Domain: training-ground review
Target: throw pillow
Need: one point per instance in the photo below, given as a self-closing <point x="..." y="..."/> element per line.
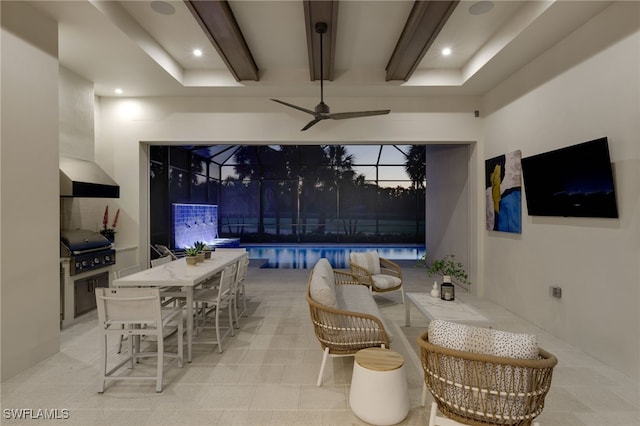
<point x="486" y="341"/>
<point x="321" y="287"/>
<point x="368" y="260"/>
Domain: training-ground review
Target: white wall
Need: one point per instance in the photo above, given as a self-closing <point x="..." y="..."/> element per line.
<point x="449" y="221"/>
<point x="29" y="189"/>
<point x="77" y="139"/>
<point x="586" y="87"/>
<point x="77" y="134"/>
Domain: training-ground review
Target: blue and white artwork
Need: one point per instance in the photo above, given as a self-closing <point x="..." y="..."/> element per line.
<point x="194" y="222"/>
<point x="503" y="177"/>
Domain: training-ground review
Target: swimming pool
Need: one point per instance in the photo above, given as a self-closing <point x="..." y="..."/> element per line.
<point x="305" y="256"/>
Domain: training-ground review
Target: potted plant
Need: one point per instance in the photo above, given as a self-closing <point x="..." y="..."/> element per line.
<point x="207" y="251"/>
<point x="109" y="233"/>
<point x="448" y="268"/>
<point x="191" y="255"/>
<point x="199" y="246"/>
<point x="203" y="248"/>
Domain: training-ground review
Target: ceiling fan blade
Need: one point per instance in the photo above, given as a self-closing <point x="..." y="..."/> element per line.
<point x="356" y="114"/>
<point x="311" y="123"/>
<point x="321" y="111"/>
<point x="308" y="111"/>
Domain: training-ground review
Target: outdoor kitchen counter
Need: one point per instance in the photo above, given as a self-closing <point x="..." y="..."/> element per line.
<point x="68" y="284"/>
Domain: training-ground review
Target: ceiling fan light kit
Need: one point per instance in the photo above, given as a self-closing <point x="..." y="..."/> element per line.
<point x="322" y="111"/>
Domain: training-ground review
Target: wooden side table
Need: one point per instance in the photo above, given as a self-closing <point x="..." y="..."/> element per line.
<point x="379" y="393"/>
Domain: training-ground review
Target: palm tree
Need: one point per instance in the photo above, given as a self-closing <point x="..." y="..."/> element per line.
<point x="417" y="171"/>
<point x="260" y="164"/>
<point x="339" y="170"/>
<point x="309" y="168"/>
<point x="415" y="165"/>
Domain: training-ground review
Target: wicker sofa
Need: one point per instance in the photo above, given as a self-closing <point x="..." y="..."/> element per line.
<point x="344" y="314"/>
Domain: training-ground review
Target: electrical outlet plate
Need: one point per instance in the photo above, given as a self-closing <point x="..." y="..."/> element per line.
<point x="556" y="292"/>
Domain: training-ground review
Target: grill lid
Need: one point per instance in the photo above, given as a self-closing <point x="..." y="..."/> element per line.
<point x="82" y="240"/>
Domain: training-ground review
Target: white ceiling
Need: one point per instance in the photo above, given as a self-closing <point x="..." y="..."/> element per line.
<point x="127" y="44"/>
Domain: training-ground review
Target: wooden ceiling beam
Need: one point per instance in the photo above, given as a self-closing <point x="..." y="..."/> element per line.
<point x="216" y="19"/>
<point x="321" y="11"/>
<point x="423" y="25"/>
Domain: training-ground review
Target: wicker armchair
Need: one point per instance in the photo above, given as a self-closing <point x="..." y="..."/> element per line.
<point x="477" y="389"/>
<point x="380" y="274"/>
<point x="342" y="332"/>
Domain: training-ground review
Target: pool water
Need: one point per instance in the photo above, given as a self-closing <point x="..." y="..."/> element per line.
<point x="302" y="256"/>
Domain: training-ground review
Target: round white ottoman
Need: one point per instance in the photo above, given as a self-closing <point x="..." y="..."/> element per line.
<point x="379" y="393"/>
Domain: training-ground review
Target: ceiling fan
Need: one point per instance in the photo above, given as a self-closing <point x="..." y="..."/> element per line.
<point x="321" y="111"/>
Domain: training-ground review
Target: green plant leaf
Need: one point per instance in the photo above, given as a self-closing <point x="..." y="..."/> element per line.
<point x="446" y="265"/>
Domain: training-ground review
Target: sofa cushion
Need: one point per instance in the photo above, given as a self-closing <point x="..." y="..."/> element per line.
<point x="385" y="281"/>
<point x="357" y="298"/>
<point x="322" y="285"/>
<point x="368" y="260"/>
<point x="324" y="269"/>
<point x="485" y="341"/>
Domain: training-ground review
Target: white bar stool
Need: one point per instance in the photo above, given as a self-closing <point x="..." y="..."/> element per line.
<point x="379" y="393"/>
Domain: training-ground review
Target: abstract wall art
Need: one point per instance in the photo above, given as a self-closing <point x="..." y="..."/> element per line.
<point x="503" y="183"/>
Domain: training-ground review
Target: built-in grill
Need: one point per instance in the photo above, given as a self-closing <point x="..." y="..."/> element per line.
<point x="87" y="250"/>
<point x="85" y="260"/>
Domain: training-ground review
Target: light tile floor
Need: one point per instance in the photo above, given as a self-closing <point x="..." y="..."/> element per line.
<point x="266" y="374"/>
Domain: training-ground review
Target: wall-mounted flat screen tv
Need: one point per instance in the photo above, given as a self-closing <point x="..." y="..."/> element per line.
<point x="576" y="181"/>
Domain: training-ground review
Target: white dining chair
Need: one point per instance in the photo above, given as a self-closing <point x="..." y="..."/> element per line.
<point x="239" y="290"/>
<point x="164" y="251"/>
<point x="161" y="261"/>
<point x="134" y="312"/>
<point x="120" y="273"/>
<point x="167" y="294"/>
<point x="210" y="302"/>
<point x="240" y="279"/>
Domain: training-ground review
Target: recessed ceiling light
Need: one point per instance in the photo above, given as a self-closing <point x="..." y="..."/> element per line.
<point x="480" y="7"/>
<point x="197" y="52"/>
<point x="446" y="51"/>
<point x="118" y="91"/>
<point x="163" y="8"/>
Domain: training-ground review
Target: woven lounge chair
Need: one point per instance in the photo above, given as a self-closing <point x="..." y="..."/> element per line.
<point x="478" y="389"/>
<point x="379" y="274"/>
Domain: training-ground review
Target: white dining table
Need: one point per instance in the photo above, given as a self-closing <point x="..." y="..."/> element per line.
<point x="186" y="277"/>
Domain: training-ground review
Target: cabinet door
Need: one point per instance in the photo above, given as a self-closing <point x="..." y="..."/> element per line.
<point x="85" y="294"/>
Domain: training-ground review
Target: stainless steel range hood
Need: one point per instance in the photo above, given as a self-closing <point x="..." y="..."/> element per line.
<point x="82" y="178"/>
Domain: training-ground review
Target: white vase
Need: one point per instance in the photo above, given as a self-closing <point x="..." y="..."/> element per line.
<point x="435" y="290"/>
